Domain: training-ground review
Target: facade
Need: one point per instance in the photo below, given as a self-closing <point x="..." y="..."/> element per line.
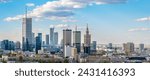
<point x="128" y="47"/>
<point x="51" y="36"/>
<point x="56" y="38"/>
<point x="68" y="51"/>
<point x="47" y="39"/>
<point x="66" y="38"/>
<point x="87" y="42"/>
<point x="27" y="34"/>
<point x="94" y="44"/>
<point x="17" y="45"/>
<point x="77" y="40"/>
<point x="67" y="35"/>
<point x="38" y="44"/>
<point x="141" y="47"/>
<point x="7" y="45"/>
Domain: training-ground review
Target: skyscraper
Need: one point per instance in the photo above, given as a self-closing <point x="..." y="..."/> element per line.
<point x="77" y="40"/>
<point x="38" y="44"/>
<point x="128" y="47"/>
<point x="67" y="38"/>
<point x="52" y="36"/>
<point x="141" y="47"/>
<point x="56" y="38"/>
<point x="27" y="34"/>
<point x="87" y="41"/>
<point x="47" y="39"/>
<point x="40" y="41"/>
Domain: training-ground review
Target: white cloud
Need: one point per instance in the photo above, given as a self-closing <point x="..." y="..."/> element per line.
<point x="139" y="29"/>
<point x="60" y="26"/>
<point x="4" y="1"/>
<point x="30" y="4"/>
<point x="62" y="9"/>
<point x="143" y="19"/>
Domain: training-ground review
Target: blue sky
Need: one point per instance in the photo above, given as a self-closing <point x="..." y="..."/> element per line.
<point x="115" y="21"/>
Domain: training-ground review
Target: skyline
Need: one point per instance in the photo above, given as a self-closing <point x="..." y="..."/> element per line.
<point x="117" y="21"/>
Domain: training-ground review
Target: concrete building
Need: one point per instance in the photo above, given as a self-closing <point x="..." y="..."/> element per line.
<point x="74" y="54"/>
<point x="128" y="47"/>
<point x="87" y="41"/>
<point x="66" y="38"/>
<point x="67" y="51"/>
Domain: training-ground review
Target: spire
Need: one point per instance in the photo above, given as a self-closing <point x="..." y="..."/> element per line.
<point x="87" y="29"/>
<point x="26" y="12"/>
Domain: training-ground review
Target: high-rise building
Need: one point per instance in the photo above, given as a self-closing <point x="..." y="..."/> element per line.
<point x="141" y="47"/>
<point x="87" y="41"/>
<point x="67" y="35"/>
<point x="51" y="36"/>
<point x="67" y="38"/>
<point x="7" y="45"/>
<point x="40" y="41"/>
<point x="128" y="47"/>
<point x="38" y="44"/>
<point x="94" y="44"/>
<point x="47" y="39"/>
<point x="27" y="34"/>
<point x="56" y="38"/>
<point x="77" y="40"/>
<point x="17" y="45"/>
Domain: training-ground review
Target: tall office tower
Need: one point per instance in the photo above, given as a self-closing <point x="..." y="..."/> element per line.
<point x="141" y="47"/>
<point x="52" y="36"/>
<point x="38" y="44"/>
<point x="94" y="44"/>
<point x="56" y="38"/>
<point x="17" y="45"/>
<point x="47" y="39"/>
<point x="128" y="48"/>
<point x="67" y="38"/>
<point x="77" y="40"/>
<point x="33" y="40"/>
<point x="87" y="42"/>
<point x="40" y="41"/>
<point x="27" y="34"/>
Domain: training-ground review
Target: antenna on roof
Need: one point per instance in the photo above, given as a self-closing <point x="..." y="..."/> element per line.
<point x="26" y="11"/>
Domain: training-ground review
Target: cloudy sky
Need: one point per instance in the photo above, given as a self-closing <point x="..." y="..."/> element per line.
<point x="115" y="21"/>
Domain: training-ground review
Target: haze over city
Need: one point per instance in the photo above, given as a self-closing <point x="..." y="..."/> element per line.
<point x="115" y="21"/>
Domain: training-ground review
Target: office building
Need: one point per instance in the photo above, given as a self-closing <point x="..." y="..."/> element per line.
<point x="27" y="34"/>
<point x="128" y="47"/>
<point x="56" y="38"/>
<point x="141" y="47"/>
<point x="94" y="44"/>
<point x="51" y="36"/>
<point x="17" y="45"/>
<point x="77" y="40"/>
<point x="47" y="39"/>
<point x="38" y="44"/>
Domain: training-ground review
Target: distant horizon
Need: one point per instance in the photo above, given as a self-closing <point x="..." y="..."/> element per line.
<point x="109" y="21"/>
